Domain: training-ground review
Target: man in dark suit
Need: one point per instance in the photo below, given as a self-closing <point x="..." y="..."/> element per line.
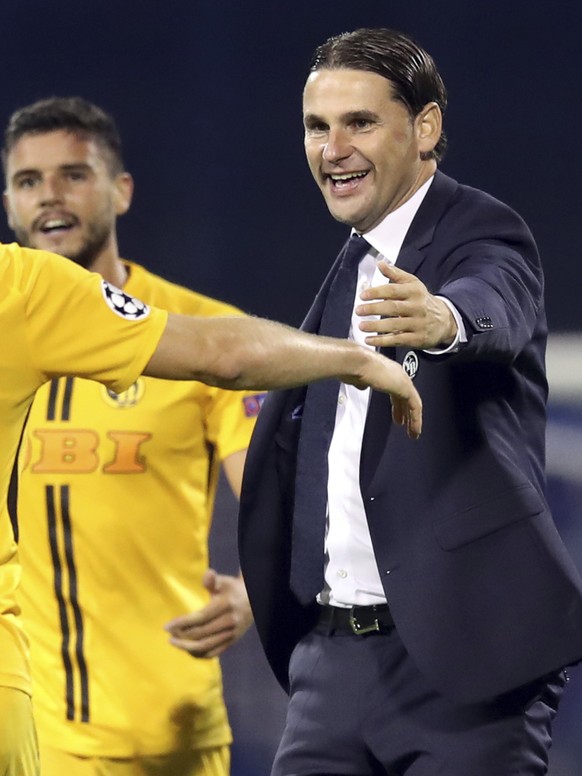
<point x="414" y="597"/>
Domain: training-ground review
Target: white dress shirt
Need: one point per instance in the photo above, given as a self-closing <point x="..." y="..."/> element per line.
<point x="351" y="573"/>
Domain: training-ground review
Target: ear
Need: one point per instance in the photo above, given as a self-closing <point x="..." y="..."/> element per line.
<point x="429" y="127"/>
<point x="6" y="203"/>
<point x="123" y="192"/>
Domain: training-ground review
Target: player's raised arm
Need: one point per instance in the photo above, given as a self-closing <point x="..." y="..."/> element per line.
<point x="254" y="353"/>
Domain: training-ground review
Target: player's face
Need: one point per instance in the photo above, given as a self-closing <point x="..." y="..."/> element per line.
<point x="362" y="146"/>
<point x="61" y="196"/>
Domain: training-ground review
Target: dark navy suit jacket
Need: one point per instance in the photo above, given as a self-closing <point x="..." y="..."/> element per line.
<point x="483" y="593"/>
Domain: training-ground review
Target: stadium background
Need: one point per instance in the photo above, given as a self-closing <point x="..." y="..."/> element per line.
<point x="207" y="95"/>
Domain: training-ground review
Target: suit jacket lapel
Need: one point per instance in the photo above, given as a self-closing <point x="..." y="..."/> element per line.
<point x="421" y="231"/>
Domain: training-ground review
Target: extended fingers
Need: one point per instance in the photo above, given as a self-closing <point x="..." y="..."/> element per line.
<point x="386" y="291"/>
<point x="382" y="332"/>
<point x="408" y="412"/>
<point x="374" y="313"/>
<point x="207" y="647"/>
<point x="387" y="308"/>
<point x="392" y="300"/>
<point x="192" y="628"/>
<point x="204" y="639"/>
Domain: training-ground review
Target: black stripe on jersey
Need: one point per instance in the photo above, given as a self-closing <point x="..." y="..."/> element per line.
<point x="58" y="586"/>
<point x="12" y="499"/>
<point x="66" y="408"/>
<point x="74" y="599"/>
<point x="51" y="410"/>
<point x="52" y="399"/>
<point x="12" y="496"/>
<point x="211" y="452"/>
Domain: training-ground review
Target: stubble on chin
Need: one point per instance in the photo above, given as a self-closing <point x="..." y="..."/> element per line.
<point x="85" y="255"/>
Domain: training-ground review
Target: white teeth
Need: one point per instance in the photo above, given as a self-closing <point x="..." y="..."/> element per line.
<point x="348" y="176"/>
<point x="55" y="223"/>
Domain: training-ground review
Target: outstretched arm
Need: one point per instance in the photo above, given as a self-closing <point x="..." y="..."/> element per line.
<point x="253" y="353"/>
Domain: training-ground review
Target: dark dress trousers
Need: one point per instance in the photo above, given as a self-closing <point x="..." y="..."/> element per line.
<point x="483" y="593"/>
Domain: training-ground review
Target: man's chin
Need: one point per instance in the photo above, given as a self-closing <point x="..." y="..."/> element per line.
<point x="349" y="218"/>
<point x="73" y="246"/>
<point x="53" y="244"/>
<point x="62" y="248"/>
<point x="343" y="211"/>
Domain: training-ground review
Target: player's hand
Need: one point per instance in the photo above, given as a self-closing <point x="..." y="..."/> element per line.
<point x="410" y="316"/>
<point x="215" y="627"/>
<point x="382" y="374"/>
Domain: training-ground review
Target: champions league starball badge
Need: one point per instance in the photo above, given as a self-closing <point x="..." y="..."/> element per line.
<point x="123" y="304"/>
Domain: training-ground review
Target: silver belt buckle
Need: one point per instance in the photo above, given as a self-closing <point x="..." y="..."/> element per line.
<point x="360" y="630"/>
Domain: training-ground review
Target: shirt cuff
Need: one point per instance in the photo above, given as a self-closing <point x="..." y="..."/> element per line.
<point x="460" y="337"/>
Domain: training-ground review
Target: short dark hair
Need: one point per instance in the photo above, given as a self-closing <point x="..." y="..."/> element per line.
<point x="71" y="114"/>
<point x="398" y="58"/>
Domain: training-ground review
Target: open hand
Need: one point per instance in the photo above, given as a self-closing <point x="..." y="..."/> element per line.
<point x="410" y="315"/>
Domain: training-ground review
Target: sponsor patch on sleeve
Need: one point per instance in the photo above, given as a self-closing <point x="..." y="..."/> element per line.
<point x="123" y="304"/>
<point x="253" y="404"/>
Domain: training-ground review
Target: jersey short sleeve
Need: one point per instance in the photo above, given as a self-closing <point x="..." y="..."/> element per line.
<point x="79" y="324"/>
<point x="230" y="419"/>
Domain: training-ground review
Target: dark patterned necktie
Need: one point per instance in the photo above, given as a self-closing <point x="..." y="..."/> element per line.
<point x="309" y="517"/>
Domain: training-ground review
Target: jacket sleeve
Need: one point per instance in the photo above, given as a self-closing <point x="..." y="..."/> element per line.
<point x="495" y="280"/>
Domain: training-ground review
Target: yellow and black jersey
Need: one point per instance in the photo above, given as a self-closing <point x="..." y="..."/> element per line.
<point x="45" y="305"/>
<point x="115" y="502"/>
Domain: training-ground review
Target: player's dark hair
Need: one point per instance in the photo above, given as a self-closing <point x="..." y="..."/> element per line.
<point x="71" y="114"/>
<point x="409" y="68"/>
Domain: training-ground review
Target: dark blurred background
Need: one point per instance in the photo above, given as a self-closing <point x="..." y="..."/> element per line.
<point x="207" y="95"/>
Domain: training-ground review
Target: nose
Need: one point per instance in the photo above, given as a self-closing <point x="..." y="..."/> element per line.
<point x="337" y="147"/>
<point x="50" y="190"/>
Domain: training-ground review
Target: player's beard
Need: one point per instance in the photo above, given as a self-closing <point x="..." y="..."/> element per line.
<point x="94" y="241"/>
<point x="92" y="246"/>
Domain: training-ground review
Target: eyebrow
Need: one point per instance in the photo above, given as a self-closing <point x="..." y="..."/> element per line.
<point x="347" y="118"/>
<point x="370" y="115"/>
<point x="62" y="167"/>
<point x="65" y="167"/>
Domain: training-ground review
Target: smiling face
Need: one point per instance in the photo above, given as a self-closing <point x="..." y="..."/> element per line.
<point x="363" y="147"/>
<point x="62" y="197"/>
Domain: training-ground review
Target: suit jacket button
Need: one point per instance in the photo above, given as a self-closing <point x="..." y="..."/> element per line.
<point x="484" y="322"/>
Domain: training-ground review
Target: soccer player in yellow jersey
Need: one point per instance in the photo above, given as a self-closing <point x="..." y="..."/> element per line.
<point x="137" y="472"/>
<point x="58" y="320"/>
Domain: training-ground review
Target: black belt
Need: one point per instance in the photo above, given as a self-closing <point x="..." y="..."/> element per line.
<point x="357" y="619"/>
